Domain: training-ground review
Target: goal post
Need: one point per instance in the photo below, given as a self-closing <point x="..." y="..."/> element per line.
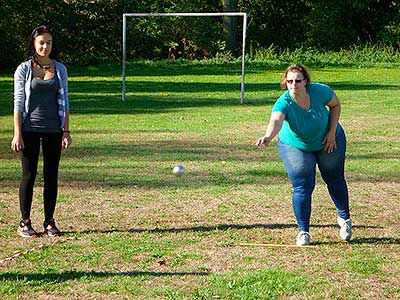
<point x="222" y="14"/>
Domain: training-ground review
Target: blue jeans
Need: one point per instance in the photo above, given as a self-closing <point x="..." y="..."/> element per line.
<point x="300" y="166"/>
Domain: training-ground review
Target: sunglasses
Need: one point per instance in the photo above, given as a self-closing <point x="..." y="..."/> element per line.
<point x="40" y="30"/>
<point x="290" y="81"/>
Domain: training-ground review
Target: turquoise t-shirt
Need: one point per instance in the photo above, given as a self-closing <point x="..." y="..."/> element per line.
<point x="302" y="128"/>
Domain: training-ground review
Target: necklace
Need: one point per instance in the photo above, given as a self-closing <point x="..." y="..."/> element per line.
<point x="44" y="67"/>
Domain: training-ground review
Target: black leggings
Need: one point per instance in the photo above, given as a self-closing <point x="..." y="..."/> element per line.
<point x="51" y="147"/>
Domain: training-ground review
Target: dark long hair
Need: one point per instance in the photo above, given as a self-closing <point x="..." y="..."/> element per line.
<point x="31" y="48"/>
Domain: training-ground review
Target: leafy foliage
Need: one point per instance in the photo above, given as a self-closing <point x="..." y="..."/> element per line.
<point x="89" y="32"/>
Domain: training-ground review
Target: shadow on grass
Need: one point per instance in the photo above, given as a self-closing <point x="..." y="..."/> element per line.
<point x="153" y="97"/>
<point x="362" y="241"/>
<point x="186" y="67"/>
<point x="49" y="277"/>
<point x="104" y="96"/>
<point x="376" y="240"/>
<point x="221" y="227"/>
<point x="164" y="68"/>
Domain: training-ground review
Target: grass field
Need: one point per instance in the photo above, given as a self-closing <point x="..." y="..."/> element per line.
<point x="133" y="230"/>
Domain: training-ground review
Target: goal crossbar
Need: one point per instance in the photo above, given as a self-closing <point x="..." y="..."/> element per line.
<point x="231" y="14"/>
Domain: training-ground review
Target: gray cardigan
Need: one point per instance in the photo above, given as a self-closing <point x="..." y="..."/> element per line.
<point x="22" y="89"/>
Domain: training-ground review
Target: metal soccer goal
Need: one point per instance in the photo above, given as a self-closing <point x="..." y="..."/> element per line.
<point x="232" y="14"/>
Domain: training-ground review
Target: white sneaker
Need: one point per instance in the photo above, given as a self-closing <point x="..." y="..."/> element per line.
<point x="303" y="238"/>
<point x="345" y="229"/>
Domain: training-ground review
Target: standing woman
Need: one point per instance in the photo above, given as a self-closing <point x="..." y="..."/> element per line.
<point x="306" y="116"/>
<point x="41" y="116"/>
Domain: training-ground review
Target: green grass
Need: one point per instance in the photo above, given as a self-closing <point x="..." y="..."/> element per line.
<point x="139" y="232"/>
<point x="243" y="285"/>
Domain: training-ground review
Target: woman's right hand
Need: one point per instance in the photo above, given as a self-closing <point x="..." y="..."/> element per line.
<point x="263" y="141"/>
<point x="17" y="144"/>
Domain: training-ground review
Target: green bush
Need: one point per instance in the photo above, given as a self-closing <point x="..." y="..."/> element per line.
<point x="90" y="32"/>
<point x="356" y="55"/>
<point x="390" y="34"/>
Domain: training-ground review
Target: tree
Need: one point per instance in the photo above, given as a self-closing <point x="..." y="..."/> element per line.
<point x="230" y="26"/>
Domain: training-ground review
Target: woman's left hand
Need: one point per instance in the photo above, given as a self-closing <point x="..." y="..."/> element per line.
<point x="330" y="142"/>
<point x="66" y="140"/>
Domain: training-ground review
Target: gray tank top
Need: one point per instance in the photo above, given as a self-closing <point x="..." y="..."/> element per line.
<point x="43" y="109"/>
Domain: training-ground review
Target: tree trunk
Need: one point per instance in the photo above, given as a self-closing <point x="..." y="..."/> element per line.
<point x="230" y="26"/>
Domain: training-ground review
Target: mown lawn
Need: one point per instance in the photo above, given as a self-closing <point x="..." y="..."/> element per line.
<point x="133" y="230"/>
